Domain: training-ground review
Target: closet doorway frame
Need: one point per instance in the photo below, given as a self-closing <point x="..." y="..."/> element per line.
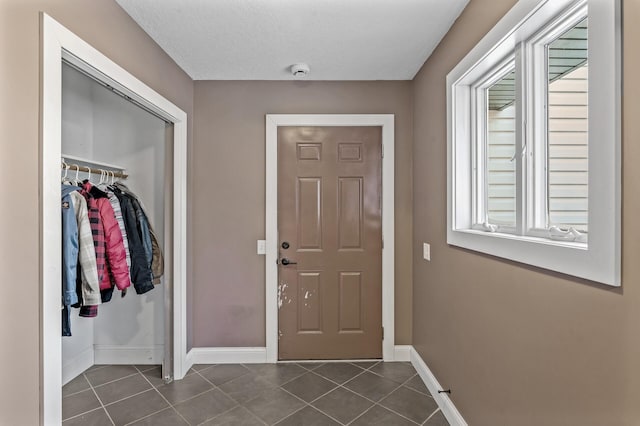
<point x="58" y="44"/>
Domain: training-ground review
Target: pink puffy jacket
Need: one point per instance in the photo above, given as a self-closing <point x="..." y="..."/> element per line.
<point x="116" y="254"/>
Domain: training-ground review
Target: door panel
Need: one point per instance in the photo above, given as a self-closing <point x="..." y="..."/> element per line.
<point x="310" y="308"/>
<point x="309" y="213"/>
<point x="350" y="215"/>
<point x="350" y="302"/>
<point x="329" y="214"/>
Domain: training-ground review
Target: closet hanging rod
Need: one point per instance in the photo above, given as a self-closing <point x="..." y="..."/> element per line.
<point x="91" y="166"/>
<point x="74" y="167"/>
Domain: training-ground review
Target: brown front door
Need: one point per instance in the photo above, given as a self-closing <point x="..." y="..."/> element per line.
<point x="330" y="242"/>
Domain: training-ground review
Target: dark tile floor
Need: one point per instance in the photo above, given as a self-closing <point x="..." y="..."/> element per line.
<point x="359" y="394"/>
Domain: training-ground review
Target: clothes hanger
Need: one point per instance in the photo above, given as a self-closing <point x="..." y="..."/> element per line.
<point x="66" y="171"/>
<point x="77" y="180"/>
<point x="104" y="179"/>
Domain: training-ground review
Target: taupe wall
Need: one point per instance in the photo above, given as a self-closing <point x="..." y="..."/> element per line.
<point x="518" y="345"/>
<point x="108" y="28"/>
<point x="229" y="195"/>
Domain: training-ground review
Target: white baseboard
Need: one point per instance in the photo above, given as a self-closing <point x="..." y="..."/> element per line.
<point x="227" y="355"/>
<point x="116" y="354"/>
<point x="188" y="363"/>
<point x="258" y="355"/>
<point x="73" y="367"/>
<point x="444" y="402"/>
<point x="402" y="353"/>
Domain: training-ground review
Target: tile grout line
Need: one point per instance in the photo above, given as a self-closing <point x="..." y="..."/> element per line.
<point x="92" y="388"/>
<point x="250" y="371"/>
<point x="82" y="414"/>
<point x="432" y="414"/>
<point x="132" y="395"/>
<point x="289" y="415"/>
<point x="308" y="404"/>
<point x="378" y="402"/>
<point x="404" y="384"/>
<point x="225" y="394"/>
<point x="229" y="410"/>
<point x="202" y="393"/>
<point x="419" y="391"/>
<point x="230" y="380"/>
<point x="256" y="374"/>
<point x="278" y="386"/>
<point x="100" y="400"/>
<point x="362" y="414"/>
<point x="75" y="393"/>
<point x="165" y="399"/>
<point x="286" y="391"/>
<point x="113" y="381"/>
<point x="102" y="384"/>
<point x="127" y="397"/>
<point x="283" y="383"/>
<point x="338" y="385"/>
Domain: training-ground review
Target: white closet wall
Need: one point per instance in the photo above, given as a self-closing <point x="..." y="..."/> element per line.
<point x="99" y="125"/>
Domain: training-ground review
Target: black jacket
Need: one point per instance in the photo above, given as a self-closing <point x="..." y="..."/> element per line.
<point x="141" y="275"/>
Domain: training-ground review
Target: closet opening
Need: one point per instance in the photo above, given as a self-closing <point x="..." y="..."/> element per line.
<point x="114" y="151"/>
<point x="102" y="125"/>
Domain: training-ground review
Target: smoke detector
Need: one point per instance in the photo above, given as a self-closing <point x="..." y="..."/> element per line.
<point x="300" y="70"/>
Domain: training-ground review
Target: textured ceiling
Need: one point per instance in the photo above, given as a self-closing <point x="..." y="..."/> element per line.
<point x="261" y="39"/>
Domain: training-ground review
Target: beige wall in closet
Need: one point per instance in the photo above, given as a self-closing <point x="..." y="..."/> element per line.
<point x="103" y="24"/>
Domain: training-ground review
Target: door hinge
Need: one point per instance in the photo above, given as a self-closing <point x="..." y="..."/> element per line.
<point x="382" y="333"/>
<point x="382" y="151"/>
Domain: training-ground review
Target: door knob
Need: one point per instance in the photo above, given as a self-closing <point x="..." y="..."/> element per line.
<point x="286" y="262"/>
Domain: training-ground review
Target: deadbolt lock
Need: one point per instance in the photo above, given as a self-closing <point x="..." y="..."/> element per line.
<point x="285" y="245"/>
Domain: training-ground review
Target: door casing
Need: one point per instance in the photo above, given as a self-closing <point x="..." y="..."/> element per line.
<point x="58" y="43"/>
<point x="386" y="122"/>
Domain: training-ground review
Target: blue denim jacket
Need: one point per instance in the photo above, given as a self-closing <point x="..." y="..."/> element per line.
<point x="69" y="248"/>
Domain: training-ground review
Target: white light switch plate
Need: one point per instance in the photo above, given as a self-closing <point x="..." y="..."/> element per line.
<point x="262" y="247"/>
<point x="426" y="251"/>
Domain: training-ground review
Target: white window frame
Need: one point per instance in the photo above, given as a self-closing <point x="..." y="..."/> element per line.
<point x="537" y="115"/>
<point x="480" y="148"/>
<point x="519" y="31"/>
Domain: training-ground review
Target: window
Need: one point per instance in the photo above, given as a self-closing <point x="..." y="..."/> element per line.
<point x="534" y="140"/>
<point x="497" y="170"/>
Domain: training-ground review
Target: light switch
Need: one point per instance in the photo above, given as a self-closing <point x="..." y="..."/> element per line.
<point x="262" y="247"/>
<point x="426" y="251"/>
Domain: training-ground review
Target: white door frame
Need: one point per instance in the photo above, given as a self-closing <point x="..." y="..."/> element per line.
<point x="57" y="43"/>
<point x="386" y="121"/>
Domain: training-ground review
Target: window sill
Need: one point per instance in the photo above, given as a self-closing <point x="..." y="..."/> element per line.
<point x="527" y="238"/>
<point x="583" y="260"/>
